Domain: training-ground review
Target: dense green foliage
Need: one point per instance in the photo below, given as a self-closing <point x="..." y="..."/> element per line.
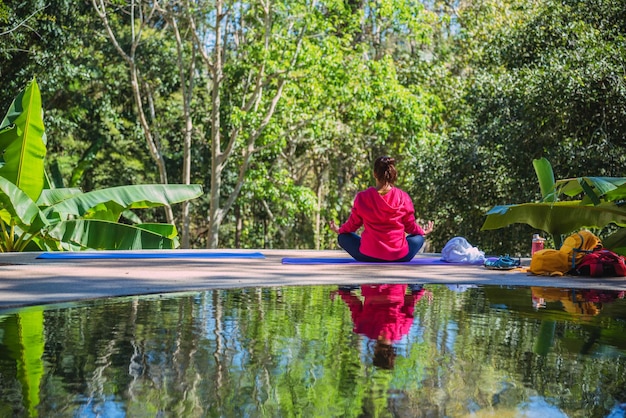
<point x="528" y="79"/>
<point x="311" y="93"/>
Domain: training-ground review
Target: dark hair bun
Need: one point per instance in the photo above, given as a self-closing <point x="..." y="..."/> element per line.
<point x="387" y="160"/>
<point x="385" y="169"/>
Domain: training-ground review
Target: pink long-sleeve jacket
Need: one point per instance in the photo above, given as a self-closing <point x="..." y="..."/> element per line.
<point x="386" y="220"/>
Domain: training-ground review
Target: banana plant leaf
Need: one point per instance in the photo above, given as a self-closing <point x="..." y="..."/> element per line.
<point x="96" y="234"/>
<point x="595" y="188"/>
<point x="109" y="211"/>
<point x="50" y="197"/>
<point x="556" y="218"/>
<point x="119" y="199"/>
<point x="18" y="208"/>
<point x="131" y="216"/>
<point x="164" y="230"/>
<point x="601" y="203"/>
<point x="44" y="243"/>
<point x="33" y="216"/>
<point x="616" y="242"/>
<point x="545" y="175"/>
<point x="22" y="142"/>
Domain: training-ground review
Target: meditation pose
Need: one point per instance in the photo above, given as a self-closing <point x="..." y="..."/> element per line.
<point x="387" y="216"/>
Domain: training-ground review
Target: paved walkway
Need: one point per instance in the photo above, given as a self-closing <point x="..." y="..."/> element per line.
<point x="26" y="280"/>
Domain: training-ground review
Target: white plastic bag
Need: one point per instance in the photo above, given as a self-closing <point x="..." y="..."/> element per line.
<point x="458" y="250"/>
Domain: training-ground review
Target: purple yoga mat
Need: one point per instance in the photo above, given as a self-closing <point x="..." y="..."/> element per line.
<point x="425" y="261"/>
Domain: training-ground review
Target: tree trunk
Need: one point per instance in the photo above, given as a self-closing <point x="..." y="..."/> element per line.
<point x="187" y="86"/>
<point x="256" y="89"/>
<point x="216" y="148"/>
<point x="238" y="226"/>
<point x="129" y="58"/>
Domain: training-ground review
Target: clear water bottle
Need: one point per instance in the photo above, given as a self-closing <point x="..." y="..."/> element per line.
<point x="537" y="244"/>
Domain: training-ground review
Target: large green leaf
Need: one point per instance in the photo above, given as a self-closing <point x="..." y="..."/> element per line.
<point x="608" y="188"/>
<point x="49" y="197"/>
<point x="102" y="235"/>
<point x="108" y="211"/>
<point x="616" y="242"/>
<point x="19" y="206"/>
<point x="165" y="230"/>
<point x="22" y="221"/>
<point x="545" y="175"/>
<point x="22" y="144"/>
<point x="118" y="199"/>
<point x="131" y="216"/>
<point x="43" y="243"/>
<point x="556" y="218"/>
<point x="600" y="205"/>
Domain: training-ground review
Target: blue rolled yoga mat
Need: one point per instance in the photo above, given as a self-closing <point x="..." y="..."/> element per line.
<point x="425" y="261"/>
<point x="83" y="255"/>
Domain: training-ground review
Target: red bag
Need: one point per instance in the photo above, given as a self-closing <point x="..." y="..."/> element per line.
<point x="602" y="263"/>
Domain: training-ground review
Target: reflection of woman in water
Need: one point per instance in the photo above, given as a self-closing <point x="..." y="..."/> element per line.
<point x="384" y="314"/>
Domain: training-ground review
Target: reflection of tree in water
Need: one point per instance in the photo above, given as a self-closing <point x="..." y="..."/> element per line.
<point x="480" y="355"/>
<point x="294" y="350"/>
<point x="571" y="332"/>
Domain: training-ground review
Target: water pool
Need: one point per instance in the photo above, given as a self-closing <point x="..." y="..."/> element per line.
<point x="320" y="351"/>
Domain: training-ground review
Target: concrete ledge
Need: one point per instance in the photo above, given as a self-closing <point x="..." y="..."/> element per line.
<point x="26" y="280"/>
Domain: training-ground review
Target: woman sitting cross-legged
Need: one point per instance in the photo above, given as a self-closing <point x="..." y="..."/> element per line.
<point x="390" y="232"/>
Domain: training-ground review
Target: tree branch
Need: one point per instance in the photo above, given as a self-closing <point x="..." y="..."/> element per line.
<point x="23" y="22"/>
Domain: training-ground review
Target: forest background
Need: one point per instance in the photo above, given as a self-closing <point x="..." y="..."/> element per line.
<point x="278" y="108"/>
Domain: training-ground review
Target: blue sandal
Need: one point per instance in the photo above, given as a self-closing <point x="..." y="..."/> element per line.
<point x="504" y="262"/>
